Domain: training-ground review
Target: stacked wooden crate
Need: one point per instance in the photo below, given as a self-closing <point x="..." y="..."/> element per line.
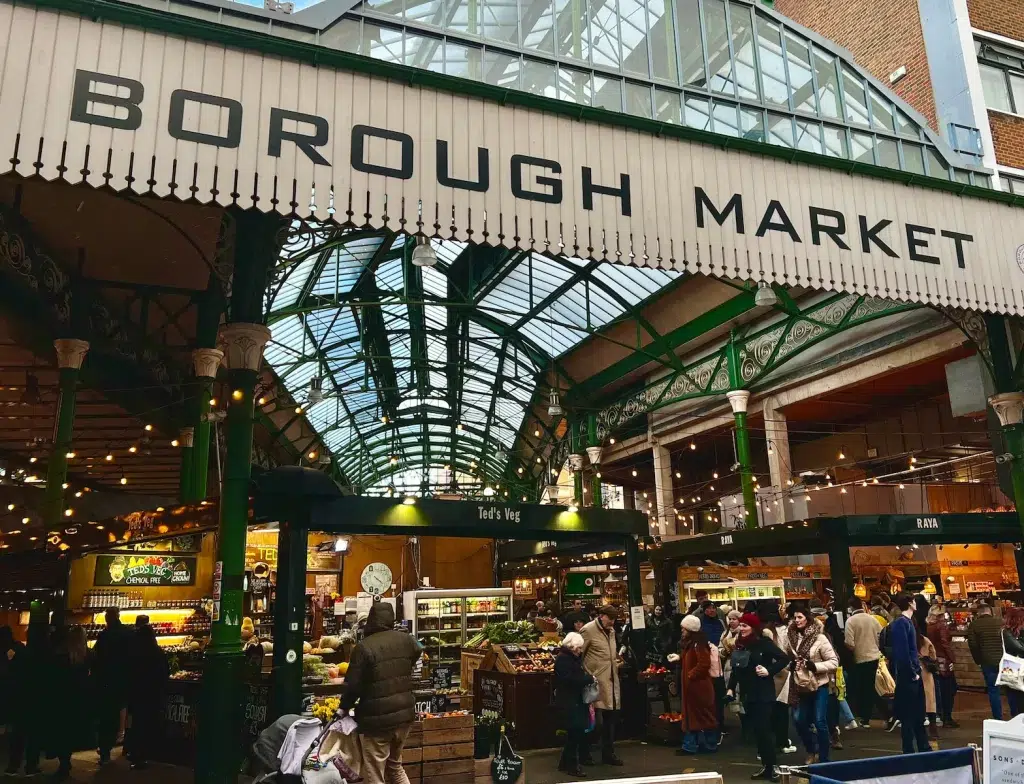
<point x="412" y="754"/>
<point x="448" y="750"/>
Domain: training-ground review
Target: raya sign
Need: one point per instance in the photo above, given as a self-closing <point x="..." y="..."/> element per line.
<point x="254" y="130"/>
<point x="144" y="570"/>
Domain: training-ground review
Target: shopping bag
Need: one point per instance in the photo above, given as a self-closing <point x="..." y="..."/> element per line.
<point x="592" y="720"/>
<point x="1011" y="671"/>
<point x="885" y="686"/>
<point x="507" y="766"/>
<point x="591" y="692"/>
<point x="346" y="752"/>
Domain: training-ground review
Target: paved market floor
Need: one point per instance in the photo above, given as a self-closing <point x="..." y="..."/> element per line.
<point x="735" y="761"/>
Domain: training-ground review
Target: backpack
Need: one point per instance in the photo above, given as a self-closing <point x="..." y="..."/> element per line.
<point x="715" y="670"/>
<point x="885" y="642"/>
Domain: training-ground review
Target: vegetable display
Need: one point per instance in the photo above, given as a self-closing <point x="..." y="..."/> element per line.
<point x="504" y="633"/>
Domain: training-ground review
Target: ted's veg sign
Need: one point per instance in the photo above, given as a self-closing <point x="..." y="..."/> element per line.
<point x="148" y="569"/>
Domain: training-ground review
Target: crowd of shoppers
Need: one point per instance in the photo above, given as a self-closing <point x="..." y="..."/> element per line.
<point x="124" y="670"/>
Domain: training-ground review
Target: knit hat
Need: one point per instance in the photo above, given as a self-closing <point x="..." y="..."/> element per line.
<point x="691" y="623"/>
<point x="751" y="620"/>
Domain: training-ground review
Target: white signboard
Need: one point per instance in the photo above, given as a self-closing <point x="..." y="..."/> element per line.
<point x="113" y="107"/>
<point x="1004" y="751"/>
<point x="636" y="618"/>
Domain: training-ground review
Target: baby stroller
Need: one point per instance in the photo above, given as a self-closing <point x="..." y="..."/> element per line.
<point x="265" y="766"/>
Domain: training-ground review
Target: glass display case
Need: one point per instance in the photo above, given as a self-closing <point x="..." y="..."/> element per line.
<point x="442" y="621"/>
<point x="736" y="593"/>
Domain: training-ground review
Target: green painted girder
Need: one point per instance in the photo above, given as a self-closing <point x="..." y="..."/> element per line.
<point x="757" y="355"/>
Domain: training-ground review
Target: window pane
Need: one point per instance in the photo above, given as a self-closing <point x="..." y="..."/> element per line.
<point x="698" y="113"/>
<point x="574" y="86"/>
<point x="725" y="119"/>
<point x="423" y="52"/>
<point x="669" y="106"/>
<point x="539" y="78"/>
<point x="982" y="180"/>
<point x="853" y="97"/>
<point x="1017" y="92"/>
<point x="571" y="26"/>
<point x="608" y="93"/>
<point x="387" y="7"/>
<point x="828" y="83"/>
<point x="462" y="61"/>
<point x="913" y="158"/>
<point x="835" y="142"/>
<point x="863" y="147"/>
<point x="961" y="176"/>
<point x="906" y="126"/>
<point x="501" y="69"/>
<point x="691" y="48"/>
<point x="719" y="63"/>
<point x="993" y="84"/>
<point x="382" y="43"/>
<point x="500" y="21"/>
<point x="638" y="100"/>
<point x="343" y="35"/>
<point x="743" y="49"/>
<point x="773" y="67"/>
<point x="604" y="33"/>
<point x="662" y="38"/>
<point x="633" y="30"/>
<point x="463" y="16"/>
<point x="881" y="112"/>
<point x="888" y="155"/>
<point x="539" y="36"/>
<point x="808" y="136"/>
<point x="937" y="166"/>
<point x="780" y="130"/>
<point x="752" y="124"/>
<point x="800" y="74"/>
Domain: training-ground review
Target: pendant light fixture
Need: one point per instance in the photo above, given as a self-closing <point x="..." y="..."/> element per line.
<point x="423" y="255"/>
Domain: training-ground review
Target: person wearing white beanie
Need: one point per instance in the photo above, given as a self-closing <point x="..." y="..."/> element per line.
<point x="690" y="623"/>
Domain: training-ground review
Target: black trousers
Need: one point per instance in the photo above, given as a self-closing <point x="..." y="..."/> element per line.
<point x="24" y="745"/>
<point x="780" y="724"/>
<point x="574" y="751"/>
<point x="720" y="701"/>
<point x="760" y="719"/>
<point x="946" y="685"/>
<point x="606" y="730"/>
<point x="909" y="705"/>
<point x="108" y="723"/>
<point x="860" y="693"/>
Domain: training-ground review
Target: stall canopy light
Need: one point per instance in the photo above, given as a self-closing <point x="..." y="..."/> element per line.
<point x="341" y="545"/>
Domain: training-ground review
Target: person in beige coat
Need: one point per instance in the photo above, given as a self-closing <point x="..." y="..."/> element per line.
<point x="929" y="666"/>
<point x="601" y="661"/>
<point x="814" y="665"/>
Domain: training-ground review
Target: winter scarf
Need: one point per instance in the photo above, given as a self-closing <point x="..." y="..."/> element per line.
<point x="800" y="648"/>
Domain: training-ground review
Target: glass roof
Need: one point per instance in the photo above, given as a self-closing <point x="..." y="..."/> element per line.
<point x="428" y="372"/>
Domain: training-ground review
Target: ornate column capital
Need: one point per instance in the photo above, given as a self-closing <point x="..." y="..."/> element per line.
<point x="186" y="436"/>
<point x="575" y="462"/>
<point x="243" y="344"/>
<point x="70" y="352"/>
<point x="738" y="399"/>
<point x="1009" y="407"/>
<point x="206" y="361"/>
<point x="594" y="454"/>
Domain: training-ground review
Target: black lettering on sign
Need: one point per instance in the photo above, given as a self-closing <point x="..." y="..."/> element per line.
<point x="834" y="230"/>
<point x="589" y="189"/>
<point x="176" y="119"/>
<point x="359" y="163"/>
<point x="83" y="94"/>
<point x="554" y="196"/>
<point x="917" y="244"/>
<point x="776" y="219"/>
<point x="734" y="206"/>
<point x="867" y="236"/>
<point x="305" y="142"/>
<point x="483" y="166"/>
<point x="958" y="240"/>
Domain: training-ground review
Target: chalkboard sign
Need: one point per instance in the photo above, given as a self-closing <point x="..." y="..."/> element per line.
<point x="492" y="694"/>
<point x="439" y="703"/>
<point x="423" y="706"/>
<point x="255" y="719"/>
<point x="506" y="769"/>
<point x="441" y="678"/>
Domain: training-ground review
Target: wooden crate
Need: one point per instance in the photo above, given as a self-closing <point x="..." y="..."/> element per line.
<point x="448" y="767"/>
<point x="447" y="723"/>
<point x="412" y="755"/>
<point x="447" y="751"/>
<point x="448" y="737"/>
<point x="471" y="661"/>
<point x="414" y="770"/>
<point x="668" y="732"/>
<point x="451" y="778"/>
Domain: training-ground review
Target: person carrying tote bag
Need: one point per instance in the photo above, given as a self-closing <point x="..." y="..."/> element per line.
<point x="813" y="667"/>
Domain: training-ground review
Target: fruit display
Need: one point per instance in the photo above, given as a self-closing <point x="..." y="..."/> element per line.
<point x="443" y="715"/>
<point x="314" y="670"/>
<point x="326" y="709"/>
<point x="529" y="658"/>
<point x="671" y="717"/>
<point x="653" y="672"/>
<point x="187" y="675"/>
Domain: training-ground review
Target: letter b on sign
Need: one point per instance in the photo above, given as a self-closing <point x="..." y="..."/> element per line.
<point x="111" y="101"/>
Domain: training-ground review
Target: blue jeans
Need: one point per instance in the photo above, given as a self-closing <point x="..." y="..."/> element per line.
<point x="813" y="710"/>
<point x="994" y="697"/>
<point x="700" y="740"/>
<point x="845" y="714"/>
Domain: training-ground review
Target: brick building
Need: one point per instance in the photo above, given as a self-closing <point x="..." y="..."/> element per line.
<point x="960" y="63"/>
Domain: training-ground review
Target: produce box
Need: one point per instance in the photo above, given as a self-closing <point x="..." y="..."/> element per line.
<point x="413" y="770"/>
<point x="448" y="767"/>
<point x="456" y="721"/>
<point x="412" y="756"/>
<point x="448" y="730"/>
<point x="665" y="731"/>
<point x="449" y="778"/>
<point x="447" y="751"/>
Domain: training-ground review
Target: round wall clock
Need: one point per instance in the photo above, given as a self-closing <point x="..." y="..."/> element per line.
<point x="376" y="578"/>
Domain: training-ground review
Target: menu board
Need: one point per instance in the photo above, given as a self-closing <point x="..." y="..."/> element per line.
<point x="492" y="693"/>
<point x="257" y="696"/>
<point x="145" y="570"/>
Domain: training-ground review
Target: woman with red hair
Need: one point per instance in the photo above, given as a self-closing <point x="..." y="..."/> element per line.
<point x="1013" y="644"/>
<point x="755" y="662"/>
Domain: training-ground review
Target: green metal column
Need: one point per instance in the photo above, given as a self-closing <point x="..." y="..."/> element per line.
<point x="842" y="571"/>
<point x="738" y="400"/>
<point x="70" y="355"/>
<point x="594" y="453"/>
<point x="186" y="438"/>
<point x="219" y="756"/>
<point x="206" y="360"/>
<point x="577" y="463"/>
<point x="289" y="617"/>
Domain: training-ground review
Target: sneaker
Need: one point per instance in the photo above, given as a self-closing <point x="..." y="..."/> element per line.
<point x="788" y="749"/>
<point x="767" y="775"/>
<point x="938" y="722"/>
<point x="852" y="725"/>
<point x="865" y="724"/>
<point x="927" y="723"/>
<point x="893" y="724"/>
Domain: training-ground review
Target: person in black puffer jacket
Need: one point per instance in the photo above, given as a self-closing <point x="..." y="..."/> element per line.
<point x="379" y="686"/>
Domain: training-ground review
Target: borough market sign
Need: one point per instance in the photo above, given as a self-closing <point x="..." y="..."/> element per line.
<point x="115" y="108"/>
